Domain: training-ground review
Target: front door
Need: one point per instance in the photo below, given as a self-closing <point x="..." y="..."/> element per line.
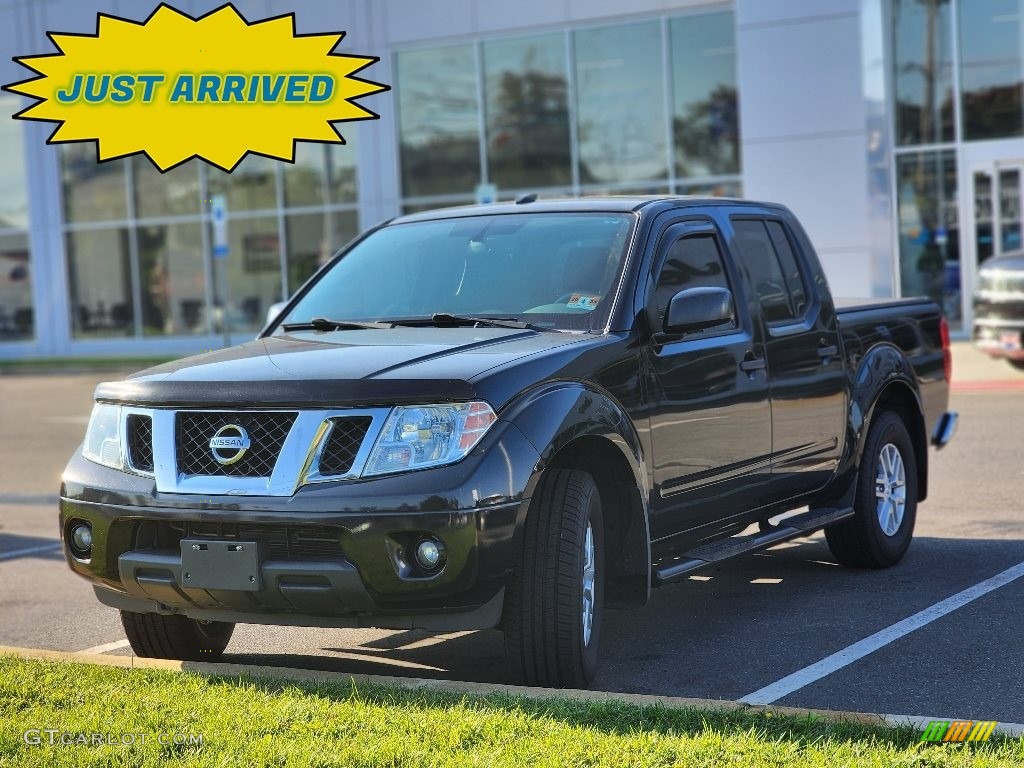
<point x="710" y="420"/>
<point x="990" y="180"/>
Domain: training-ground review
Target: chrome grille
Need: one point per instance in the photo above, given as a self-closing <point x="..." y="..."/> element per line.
<point x="140" y="442"/>
<point x="343" y="444"/>
<point x="267" y="432"/>
<point x="1000" y="282"/>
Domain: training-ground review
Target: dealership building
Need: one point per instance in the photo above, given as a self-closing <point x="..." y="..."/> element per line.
<point x="893" y="128"/>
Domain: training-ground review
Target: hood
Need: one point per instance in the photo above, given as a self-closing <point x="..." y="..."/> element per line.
<point x="1010" y="262"/>
<point x="339" y="368"/>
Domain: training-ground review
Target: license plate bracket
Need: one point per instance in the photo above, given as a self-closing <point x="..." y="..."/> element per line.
<point x="1010" y="340"/>
<point x="227" y="565"/>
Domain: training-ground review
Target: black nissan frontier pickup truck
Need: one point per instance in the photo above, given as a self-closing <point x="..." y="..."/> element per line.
<point x="513" y="416"/>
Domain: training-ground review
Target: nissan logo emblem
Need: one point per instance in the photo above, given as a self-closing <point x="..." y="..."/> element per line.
<point x="229" y="444"/>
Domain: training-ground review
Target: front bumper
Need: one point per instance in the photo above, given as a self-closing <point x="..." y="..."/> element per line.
<point x="334" y="554"/>
<point x="1000" y="338"/>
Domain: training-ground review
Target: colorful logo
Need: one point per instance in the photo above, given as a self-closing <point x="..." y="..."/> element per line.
<point x="217" y="87"/>
<point x="959" y="730"/>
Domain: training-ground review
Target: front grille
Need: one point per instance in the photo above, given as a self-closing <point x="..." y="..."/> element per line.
<point x="343" y="444"/>
<point x="1001" y="282"/>
<point x="266" y="430"/>
<point x="276" y="542"/>
<point x="140" y="442"/>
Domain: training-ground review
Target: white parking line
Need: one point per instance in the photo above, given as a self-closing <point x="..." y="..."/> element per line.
<point x="860" y="649"/>
<point x="28" y="551"/>
<point x="106" y="647"/>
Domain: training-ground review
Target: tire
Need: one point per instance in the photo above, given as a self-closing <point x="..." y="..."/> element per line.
<point x="1018" y="364"/>
<point x="154" y="636"/>
<point x="863" y="541"/>
<point x="546" y="641"/>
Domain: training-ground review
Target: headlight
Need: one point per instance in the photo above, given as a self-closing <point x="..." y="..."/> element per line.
<point x="103" y="436"/>
<point x="421" y="436"/>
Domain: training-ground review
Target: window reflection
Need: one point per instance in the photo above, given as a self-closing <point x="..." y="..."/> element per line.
<point x="92" y="191"/>
<point x="620" y="103"/>
<point x="527" y="112"/>
<point x="252" y="186"/>
<point x="174" y="193"/>
<point x="929" y="229"/>
<point x="13" y="190"/>
<point x="99" y="277"/>
<point x="991" y="61"/>
<point x="438" y="114"/>
<point x="16" y="319"/>
<point x="705" y="120"/>
<point x="173" y="279"/>
<point x="313" y="238"/>
<point x="341" y="169"/>
<point x="923" y="71"/>
<point x="304" y="180"/>
<point x="253" y="272"/>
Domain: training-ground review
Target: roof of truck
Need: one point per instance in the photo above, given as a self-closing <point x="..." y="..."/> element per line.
<point x="603" y="203"/>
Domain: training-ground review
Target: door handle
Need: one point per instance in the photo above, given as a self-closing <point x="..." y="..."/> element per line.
<point x="830" y="351"/>
<point x="752" y="364"/>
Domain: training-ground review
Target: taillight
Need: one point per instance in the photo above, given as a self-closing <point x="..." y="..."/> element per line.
<point x="947" y="353"/>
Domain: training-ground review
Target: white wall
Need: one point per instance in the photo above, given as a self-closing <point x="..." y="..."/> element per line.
<point x="804" y="126"/>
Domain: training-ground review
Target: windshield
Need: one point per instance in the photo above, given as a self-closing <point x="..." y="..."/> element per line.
<point x="554" y="270"/>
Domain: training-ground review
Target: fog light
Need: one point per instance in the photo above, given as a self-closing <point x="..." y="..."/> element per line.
<point x="81" y="539"/>
<point x="429" y="553"/>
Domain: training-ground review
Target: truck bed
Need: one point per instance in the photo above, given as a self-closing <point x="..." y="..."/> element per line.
<point x="847" y="305"/>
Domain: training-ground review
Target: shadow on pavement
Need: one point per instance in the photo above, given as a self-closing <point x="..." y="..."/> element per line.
<point x="16" y="546"/>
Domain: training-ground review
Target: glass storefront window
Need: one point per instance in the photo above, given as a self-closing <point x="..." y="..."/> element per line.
<point x="252" y="186"/>
<point x="929" y="229"/>
<point x="13" y="189"/>
<point x="174" y="193"/>
<point x="16" y="319"/>
<point x="304" y="180"/>
<point x="312" y="239"/>
<point x="173" y="279"/>
<point x="526" y="89"/>
<point x="92" y="191"/>
<point x="341" y="170"/>
<point x="253" y="273"/>
<point x="438" y="116"/>
<point x="923" y="70"/>
<point x="705" y="118"/>
<point x="99" y="276"/>
<point x="620" y="82"/>
<point x="992" y="68"/>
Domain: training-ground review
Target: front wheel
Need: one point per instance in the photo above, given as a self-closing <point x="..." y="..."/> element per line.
<point x="1018" y="364"/>
<point x="555" y="599"/>
<point x="154" y="636"/>
<point x="885" y="508"/>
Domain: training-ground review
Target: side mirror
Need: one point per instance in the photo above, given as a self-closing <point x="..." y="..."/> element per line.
<point x="274" y="311"/>
<point x="695" y="309"/>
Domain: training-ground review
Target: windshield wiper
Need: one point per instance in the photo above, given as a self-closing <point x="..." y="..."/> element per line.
<point x="325" y="324"/>
<point x="446" y="318"/>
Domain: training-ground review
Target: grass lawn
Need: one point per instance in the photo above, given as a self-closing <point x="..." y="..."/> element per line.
<point x="272" y="723"/>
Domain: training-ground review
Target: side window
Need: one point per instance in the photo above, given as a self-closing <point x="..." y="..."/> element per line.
<point x="790" y="267"/>
<point x="774" y="290"/>
<point x="693" y="261"/>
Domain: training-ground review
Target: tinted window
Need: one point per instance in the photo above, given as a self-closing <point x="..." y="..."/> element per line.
<point x="766" y="273"/>
<point x="790" y="267"/>
<point x="692" y="262"/>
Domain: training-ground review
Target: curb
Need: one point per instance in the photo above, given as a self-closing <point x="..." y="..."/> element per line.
<point x="480" y="689"/>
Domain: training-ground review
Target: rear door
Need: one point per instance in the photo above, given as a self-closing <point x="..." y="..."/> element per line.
<point x="710" y="420"/>
<point x="807" y="381"/>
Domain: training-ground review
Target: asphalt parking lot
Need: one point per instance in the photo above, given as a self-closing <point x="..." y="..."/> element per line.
<point x="727" y="633"/>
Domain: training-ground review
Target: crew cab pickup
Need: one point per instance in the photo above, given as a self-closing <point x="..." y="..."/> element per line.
<point x="514" y="416"/>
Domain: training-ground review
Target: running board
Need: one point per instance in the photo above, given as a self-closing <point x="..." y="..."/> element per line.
<point x="789" y="528"/>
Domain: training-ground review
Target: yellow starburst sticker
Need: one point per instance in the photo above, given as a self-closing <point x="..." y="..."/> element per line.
<point x="215" y="87"/>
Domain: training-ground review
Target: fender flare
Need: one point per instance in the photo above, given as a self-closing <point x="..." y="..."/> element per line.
<point x="558" y="416"/>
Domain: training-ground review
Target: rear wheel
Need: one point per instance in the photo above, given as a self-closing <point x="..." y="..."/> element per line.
<point x="154" y="636"/>
<point x="885" y="508"/>
<point x="555" y="599"/>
